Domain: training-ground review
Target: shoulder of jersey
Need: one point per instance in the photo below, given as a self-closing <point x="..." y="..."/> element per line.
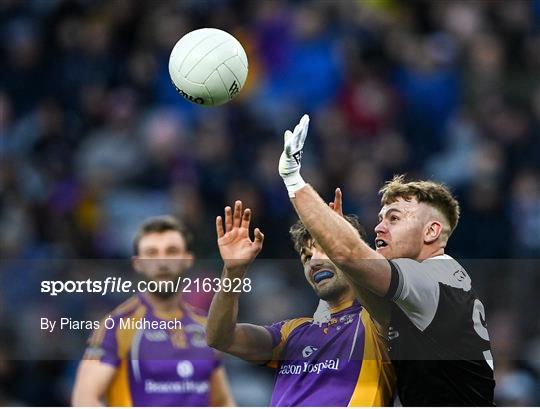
<point x="128" y="307"/>
<point x="447" y="270"/>
<point x="198" y="314"/>
<point x="289" y="326"/>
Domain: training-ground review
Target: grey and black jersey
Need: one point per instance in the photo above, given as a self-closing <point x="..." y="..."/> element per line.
<point x="438" y="339"/>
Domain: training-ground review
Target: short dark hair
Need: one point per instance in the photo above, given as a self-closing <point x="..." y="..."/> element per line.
<point x="160" y="224"/>
<point x="300" y="235"/>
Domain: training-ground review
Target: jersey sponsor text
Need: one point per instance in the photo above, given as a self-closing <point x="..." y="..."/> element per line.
<point x="308" y="367"/>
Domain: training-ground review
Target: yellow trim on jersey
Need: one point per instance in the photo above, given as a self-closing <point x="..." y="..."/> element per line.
<point x="375" y="384"/>
<point x="96" y="339"/>
<point x="119" y="393"/>
<point x="124" y="336"/>
<point x="170" y="315"/>
<point x="342" y="306"/>
<point x="127" y="306"/>
<point x="201" y="319"/>
<point x="286" y="330"/>
<point x="290" y="326"/>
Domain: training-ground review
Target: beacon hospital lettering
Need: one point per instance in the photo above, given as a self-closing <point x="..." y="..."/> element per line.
<point x="156" y="367"/>
<point x="341" y="363"/>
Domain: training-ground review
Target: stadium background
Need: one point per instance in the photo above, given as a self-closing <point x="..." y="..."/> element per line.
<point x="94" y="138"/>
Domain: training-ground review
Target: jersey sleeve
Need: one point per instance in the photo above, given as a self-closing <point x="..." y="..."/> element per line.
<point x="280" y="332"/>
<point x="277" y="342"/>
<point x="275" y="332"/>
<point x="103" y="346"/>
<point x="415" y="290"/>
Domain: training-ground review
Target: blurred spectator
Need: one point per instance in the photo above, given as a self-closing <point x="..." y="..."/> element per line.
<point x="524" y="207"/>
<point x="93" y="138"/>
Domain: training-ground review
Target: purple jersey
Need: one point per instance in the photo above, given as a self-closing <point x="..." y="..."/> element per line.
<point x="156" y="366"/>
<point x="341" y="363"/>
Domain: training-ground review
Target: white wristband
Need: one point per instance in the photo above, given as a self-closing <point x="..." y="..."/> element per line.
<point x="293" y="182"/>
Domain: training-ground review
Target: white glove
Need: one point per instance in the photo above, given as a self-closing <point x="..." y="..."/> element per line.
<point x="322" y="315"/>
<point x="289" y="162"/>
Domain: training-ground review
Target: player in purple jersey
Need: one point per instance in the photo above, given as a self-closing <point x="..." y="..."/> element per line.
<point x="168" y="366"/>
<point x="342" y="363"/>
<point x="437" y="334"/>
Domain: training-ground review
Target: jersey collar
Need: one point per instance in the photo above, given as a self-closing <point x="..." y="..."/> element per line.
<point x="177" y="313"/>
<point x="343" y="306"/>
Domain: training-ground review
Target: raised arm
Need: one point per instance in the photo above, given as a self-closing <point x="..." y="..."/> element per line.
<point x="342" y="243"/>
<point x="362" y="265"/>
<point x="378" y="307"/>
<point x="246" y="341"/>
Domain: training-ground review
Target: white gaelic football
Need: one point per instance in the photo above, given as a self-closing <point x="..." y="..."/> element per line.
<point x="208" y="66"/>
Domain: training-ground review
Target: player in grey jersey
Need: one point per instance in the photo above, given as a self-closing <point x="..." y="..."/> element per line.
<point x="437" y="335"/>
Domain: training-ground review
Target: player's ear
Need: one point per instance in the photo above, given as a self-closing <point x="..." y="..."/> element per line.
<point x="433" y="231"/>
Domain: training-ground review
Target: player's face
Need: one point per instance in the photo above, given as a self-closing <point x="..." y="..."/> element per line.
<point x="326" y="279"/>
<point x="162" y="256"/>
<point x="400" y="229"/>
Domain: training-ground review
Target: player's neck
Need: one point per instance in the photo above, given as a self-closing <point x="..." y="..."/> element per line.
<point x="429" y="252"/>
<point x="342" y="300"/>
<point x="169" y="304"/>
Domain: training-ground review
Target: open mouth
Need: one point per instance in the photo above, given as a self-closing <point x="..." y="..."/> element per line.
<point x="380" y="243"/>
<point x="322" y="275"/>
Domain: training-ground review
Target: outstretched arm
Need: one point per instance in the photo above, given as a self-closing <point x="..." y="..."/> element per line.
<point x="342" y="243"/>
<point x="363" y="266"/>
<point x="246" y="341"/>
<point x="378" y="307"/>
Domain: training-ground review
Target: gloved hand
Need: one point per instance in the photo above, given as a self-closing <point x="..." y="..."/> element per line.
<point x="290" y="160"/>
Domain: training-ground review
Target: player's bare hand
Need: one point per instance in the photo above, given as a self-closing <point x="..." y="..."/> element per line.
<point x="337" y="204"/>
<point x="235" y="246"/>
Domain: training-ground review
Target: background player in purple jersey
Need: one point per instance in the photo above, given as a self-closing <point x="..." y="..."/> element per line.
<point x="126" y="367"/>
<point x="437" y="333"/>
<point x="338" y="364"/>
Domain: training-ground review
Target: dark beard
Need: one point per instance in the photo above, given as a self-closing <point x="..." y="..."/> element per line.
<point x="167" y="291"/>
<point x="333" y="293"/>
